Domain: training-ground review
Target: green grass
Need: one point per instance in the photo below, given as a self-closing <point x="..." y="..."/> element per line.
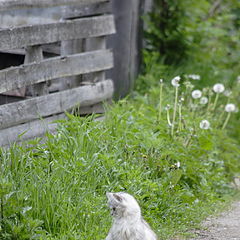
<point x="56" y="189"/>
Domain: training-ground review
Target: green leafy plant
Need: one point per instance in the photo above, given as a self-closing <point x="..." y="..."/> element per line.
<point x="56" y="189"/>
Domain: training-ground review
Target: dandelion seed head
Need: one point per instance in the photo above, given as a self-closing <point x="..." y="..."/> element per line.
<point x="204" y="124"/>
<point x="218" y="88"/>
<point x="227" y="93"/>
<point x="175" y="81"/>
<point x="203" y="100"/>
<point x="161" y="81"/>
<point x="230" y="107"/>
<point x="194" y="76"/>
<point x="196" y="94"/>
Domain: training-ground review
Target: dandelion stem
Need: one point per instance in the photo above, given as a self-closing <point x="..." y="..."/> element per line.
<point x="174" y="111"/>
<point x="1" y="215"/>
<point x="215" y="101"/>
<point x="168" y="118"/>
<point x="226" y="121"/>
<point x="180" y="117"/>
<point x="209" y="104"/>
<point x="160" y="103"/>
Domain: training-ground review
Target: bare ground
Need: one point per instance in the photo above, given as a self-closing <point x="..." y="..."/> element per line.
<point x="224" y="227"/>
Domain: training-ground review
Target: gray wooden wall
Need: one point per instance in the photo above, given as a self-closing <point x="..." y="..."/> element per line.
<point x="127" y="43"/>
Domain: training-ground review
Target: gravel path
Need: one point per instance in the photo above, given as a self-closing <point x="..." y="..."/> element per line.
<point x="224" y="227"/>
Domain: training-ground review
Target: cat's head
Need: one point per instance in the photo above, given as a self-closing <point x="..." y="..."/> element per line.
<point x="123" y="205"/>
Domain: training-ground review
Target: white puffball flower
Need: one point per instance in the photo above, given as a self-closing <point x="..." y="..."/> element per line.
<point x="218" y="88"/>
<point x="161" y="81"/>
<point x="227" y="93"/>
<point x="230" y="107"/>
<point x="203" y="100"/>
<point x="175" y="81"/>
<point x="194" y="76"/>
<point x="204" y="124"/>
<point x="196" y="94"/>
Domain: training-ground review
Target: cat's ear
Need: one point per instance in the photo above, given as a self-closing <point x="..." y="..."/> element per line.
<point x="118" y="197"/>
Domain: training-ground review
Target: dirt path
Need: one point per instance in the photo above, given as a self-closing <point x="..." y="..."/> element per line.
<point x="224" y="227"/>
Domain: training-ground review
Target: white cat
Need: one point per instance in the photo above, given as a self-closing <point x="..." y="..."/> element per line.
<point x="128" y="223"/>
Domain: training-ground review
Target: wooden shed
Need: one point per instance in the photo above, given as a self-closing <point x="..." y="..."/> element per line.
<point x="56" y="55"/>
<point x="60" y="62"/>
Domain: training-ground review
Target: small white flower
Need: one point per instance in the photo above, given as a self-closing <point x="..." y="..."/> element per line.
<point x="230" y="107"/>
<point x="194" y="76"/>
<point x="218" y="88"/>
<point x="204" y="124"/>
<point x="167" y="107"/>
<point x="178" y="164"/>
<point x="175" y="81"/>
<point x="203" y="100"/>
<point x="196" y="94"/>
<point x="227" y="93"/>
<point x="161" y="81"/>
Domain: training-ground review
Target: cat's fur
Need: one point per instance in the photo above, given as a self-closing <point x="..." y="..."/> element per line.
<point x="128" y="223"/>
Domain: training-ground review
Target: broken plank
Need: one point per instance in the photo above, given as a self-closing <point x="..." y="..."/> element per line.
<point x="24" y="36"/>
<point x="52" y="68"/>
<point x="34" y="108"/>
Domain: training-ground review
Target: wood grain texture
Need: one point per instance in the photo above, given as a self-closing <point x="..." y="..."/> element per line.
<point x="35" y="54"/>
<point x="43" y="106"/>
<point x="53" y="32"/>
<point x="18" y="4"/>
<point x="89" y="10"/>
<point x="52" y="68"/>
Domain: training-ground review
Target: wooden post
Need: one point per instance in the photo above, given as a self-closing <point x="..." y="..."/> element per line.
<point x="34" y="54"/>
<point x="126" y="45"/>
<point x="68" y="47"/>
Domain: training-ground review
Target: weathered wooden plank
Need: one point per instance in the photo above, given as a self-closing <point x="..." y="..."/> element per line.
<point x="35" y="54"/>
<point x="17" y="4"/>
<point x="55" y="103"/>
<point x="52" y="68"/>
<point x="96" y="108"/>
<point x="53" y="32"/>
<point x="92" y="44"/>
<point x="83" y="11"/>
<point x="36" y="128"/>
